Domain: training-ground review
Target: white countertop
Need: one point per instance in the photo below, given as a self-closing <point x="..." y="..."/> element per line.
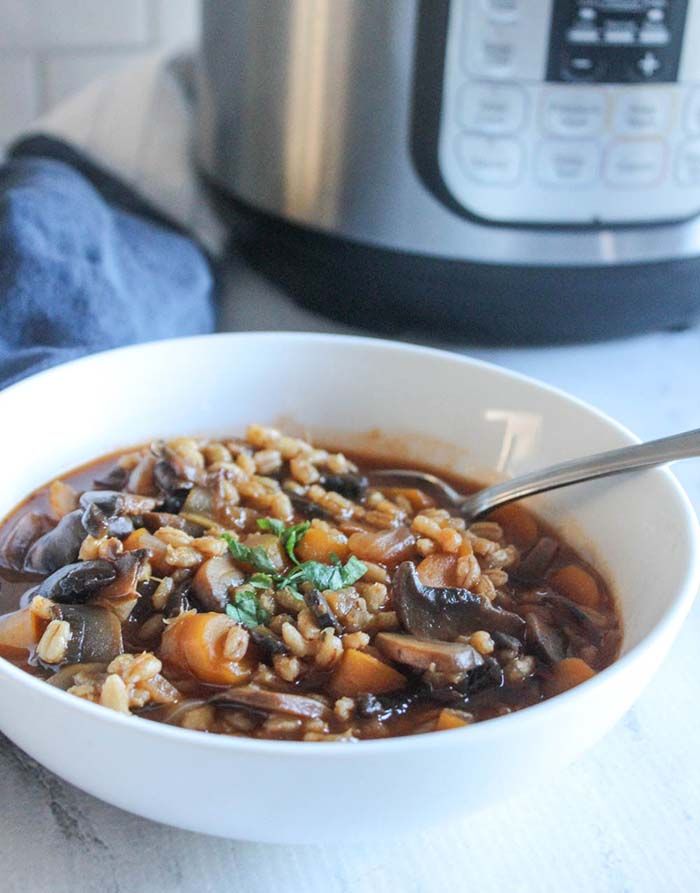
<point x="626" y="817"/>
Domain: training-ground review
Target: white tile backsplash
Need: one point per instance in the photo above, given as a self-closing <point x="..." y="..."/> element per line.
<point x="66" y="73"/>
<point x="74" y="23"/>
<point x="178" y="20"/>
<point x="18" y="97"/>
<point x="51" y="48"/>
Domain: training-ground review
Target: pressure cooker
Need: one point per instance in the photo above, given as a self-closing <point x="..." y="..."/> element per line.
<point x="496" y="170"/>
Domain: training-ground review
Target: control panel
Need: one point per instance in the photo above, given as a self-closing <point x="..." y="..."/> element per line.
<point x="616" y="41"/>
<point x="572" y="112"/>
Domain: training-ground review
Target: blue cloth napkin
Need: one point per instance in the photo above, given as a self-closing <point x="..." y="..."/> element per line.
<point x="85" y="265"/>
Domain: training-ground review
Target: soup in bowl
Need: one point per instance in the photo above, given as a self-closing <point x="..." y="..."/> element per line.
<point x="296" y="632"/>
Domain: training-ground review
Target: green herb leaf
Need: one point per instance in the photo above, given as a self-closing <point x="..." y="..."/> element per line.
<point x="291" y="537"/>
<point x="255" y="555"/>
<point x="326" y="576"/>
<point x="246" y="610"/>
<point x="321" y="576"/>
<point x="272" y="525"/>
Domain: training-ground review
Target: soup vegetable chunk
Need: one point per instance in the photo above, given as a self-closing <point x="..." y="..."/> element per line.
<point x="263" y="587"/>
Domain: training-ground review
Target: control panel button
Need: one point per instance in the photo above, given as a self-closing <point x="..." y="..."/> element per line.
<point x="688" y="163"/>
<point x="691" y="113"/>
<point x="634" y="162"/>
<point x="491" y="108"/>
<point x="642" y="112"/>
<point x="582" y="32"/>
<point x="565" y="163"/>
<point x="648" y="66"/>
<point x="496" y="56"/>
<point x="583" y="66"/>
<point x="496" y="162"/>
<point x="574" y="111"/>
<point x="620" y="32"/>
<point x="502" y="10"/>
<point x="654" y="35"/>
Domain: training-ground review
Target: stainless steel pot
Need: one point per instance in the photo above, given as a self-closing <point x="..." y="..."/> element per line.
<point x="457" y="161"/>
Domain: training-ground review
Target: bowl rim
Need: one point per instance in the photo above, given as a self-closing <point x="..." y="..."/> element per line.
<point x="484" y="730"/>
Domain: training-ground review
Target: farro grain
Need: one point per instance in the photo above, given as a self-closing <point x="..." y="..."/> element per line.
<point x="294" y="640"/>
<point x="53" y="644"/>
<point x="329" y="650"/>
<point x="41" y="607"/>
<point x="236" y="643"/>
<point x="171" y="536"/>
<point x="182" y="556"/>
<point x="114" y="694"/>
<point x="287" y="668"/>
<point x="163" y="590"/>
<point x="303" y="471"/>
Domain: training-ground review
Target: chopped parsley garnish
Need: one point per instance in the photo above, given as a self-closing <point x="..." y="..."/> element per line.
<point x="273" y="525"/>
<point x="254" y="555"/>
<point x="289" y="536"/>
<point x="246" y="610"/>
<point x="326" y="576"/>
<point x="320" y="576"/>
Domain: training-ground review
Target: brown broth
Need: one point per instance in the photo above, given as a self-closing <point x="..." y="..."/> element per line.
<point x="421" y="717"/>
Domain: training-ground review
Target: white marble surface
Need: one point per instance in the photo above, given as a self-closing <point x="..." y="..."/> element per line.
<point x="626" y="817"/>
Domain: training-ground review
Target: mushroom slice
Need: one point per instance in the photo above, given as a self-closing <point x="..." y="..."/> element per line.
<point x="548" y="642"/>
<point x="153" y="521"/>
<point x="117" y="502"/>
<point x="324" y="615"/>
<point x="77" y="582"/>
<point x="389" y="706"/>
<point x="65" y="677"/>
<point x="213" y="580"/>
<point x="432" y="612"/>
<point x="565" y="611"/>
<point x="447" y="657"/>
<point x="21" y="537"/>
<point x="269" y="643"/>
<point x="96" y="633"/>
<point x="350" y="484"/>
<point x="272" y="702"/>
<point x="307" y="508"/>
<point x="114" y="479"/>
<point x="58" y="547"/>
<point x="533" y="566"/>
<point x="121" y="595"/>
<point x="141" y="476"/>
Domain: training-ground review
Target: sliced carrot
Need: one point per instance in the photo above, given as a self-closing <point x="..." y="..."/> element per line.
<point x="577" y="584"/>
<point x="195" y="644"/>
<point x="359" y="673"/>
<point x="142" y="539"/>
<point x="519" y="525"/>
<point x="383" y="546"/>
<point x="439" y="569"/>
<point x="448" y="719"/>
<point x="322" y="545"/>
<point x="20" y="630"/>
<point x="568" y="673"/>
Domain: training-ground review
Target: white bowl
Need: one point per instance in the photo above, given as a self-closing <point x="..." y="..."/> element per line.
<point x="640" y="530"/>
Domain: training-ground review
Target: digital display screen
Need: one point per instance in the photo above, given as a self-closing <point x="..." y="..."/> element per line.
<point x="620" y="5"/>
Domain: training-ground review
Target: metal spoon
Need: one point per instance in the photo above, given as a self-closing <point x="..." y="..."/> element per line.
<point x="631" y="458"/>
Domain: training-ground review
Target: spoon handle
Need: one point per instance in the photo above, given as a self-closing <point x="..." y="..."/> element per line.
<point x="631" y="458"/>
